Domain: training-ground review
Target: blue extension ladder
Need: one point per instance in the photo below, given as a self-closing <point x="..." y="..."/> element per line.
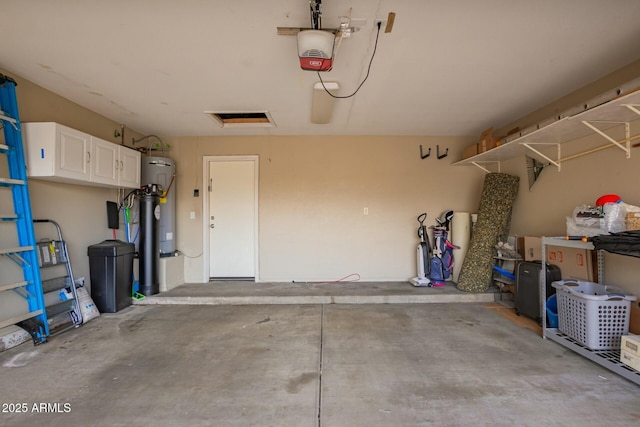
<point x="25" y="255"/>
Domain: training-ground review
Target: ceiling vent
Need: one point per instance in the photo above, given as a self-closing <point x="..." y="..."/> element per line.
<point x="253" y="119"/>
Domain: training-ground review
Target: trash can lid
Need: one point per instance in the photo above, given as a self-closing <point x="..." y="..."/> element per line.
<point x="111" y="248"/>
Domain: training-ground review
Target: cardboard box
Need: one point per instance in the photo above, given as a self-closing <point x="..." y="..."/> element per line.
<point x="532" y="248"/>
<point x="630" y="344"/>
<point x="632" y="221"/>
<point x="634" y="318"/>
<point x="487" y="141"/>
<point x="470" y="151"/>
<point x="573" y="263"/>
<point x="630" y="360"/>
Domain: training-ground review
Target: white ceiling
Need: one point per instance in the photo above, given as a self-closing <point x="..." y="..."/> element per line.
<point x="450" y="67"/>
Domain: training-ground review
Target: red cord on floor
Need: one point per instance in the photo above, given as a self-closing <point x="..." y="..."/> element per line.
<point x="353" y="277"/>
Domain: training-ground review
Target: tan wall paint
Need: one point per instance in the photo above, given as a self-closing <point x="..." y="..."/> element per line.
<point x="80" y="210"/>
<point x="600" y="86"/>
<point x="543" y="209"/>
<point x="313" y="190"/>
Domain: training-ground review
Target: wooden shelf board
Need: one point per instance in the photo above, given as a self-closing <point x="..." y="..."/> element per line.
<point x="20" y="318"/>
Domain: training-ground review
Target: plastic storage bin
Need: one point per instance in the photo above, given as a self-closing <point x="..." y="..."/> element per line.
<point x="593" y="314"/>
<point x="111" y="272"/>
<point x="552" y="311"/>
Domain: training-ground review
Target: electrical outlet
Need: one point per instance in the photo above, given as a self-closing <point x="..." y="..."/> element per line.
<point x="382" y="22"/>
<point x="366" y="211"/>
<point x="192" y="215"/>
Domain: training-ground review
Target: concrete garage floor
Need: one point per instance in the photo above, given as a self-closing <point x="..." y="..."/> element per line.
<point x="310" y="365"/>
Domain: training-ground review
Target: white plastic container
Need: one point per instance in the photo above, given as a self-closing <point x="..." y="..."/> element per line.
<point x="593" y="314"/>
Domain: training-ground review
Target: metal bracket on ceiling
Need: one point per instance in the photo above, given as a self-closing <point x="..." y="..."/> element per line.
<point x="315" y="7"/>
<point x="479" y="163"/>
<point x="556" y="162"/>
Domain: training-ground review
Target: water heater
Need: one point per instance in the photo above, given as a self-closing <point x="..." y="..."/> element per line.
<point x="161" y="171"/>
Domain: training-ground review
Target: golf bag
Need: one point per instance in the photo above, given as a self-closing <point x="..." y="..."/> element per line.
<point x="441" y="265"/>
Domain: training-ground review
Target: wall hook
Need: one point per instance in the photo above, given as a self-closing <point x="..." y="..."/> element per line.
<point x="424" y="156"/>
<point x="446" y="153"/>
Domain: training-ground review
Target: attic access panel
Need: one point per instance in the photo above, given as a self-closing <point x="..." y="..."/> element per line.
<point x="242" y="119"/>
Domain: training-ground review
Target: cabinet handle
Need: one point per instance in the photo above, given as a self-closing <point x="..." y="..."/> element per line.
<point x="121" y="165"/>
<point x="88" y="156"/>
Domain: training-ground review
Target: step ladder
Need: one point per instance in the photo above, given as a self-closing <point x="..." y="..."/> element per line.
<point x="58" y="284"/>
<point x="24" y="279"/>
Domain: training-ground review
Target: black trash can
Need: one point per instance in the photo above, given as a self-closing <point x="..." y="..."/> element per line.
<point x="111" y="273"/>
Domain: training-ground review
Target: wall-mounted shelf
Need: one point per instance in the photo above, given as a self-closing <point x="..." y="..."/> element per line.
<point x="614" y="108"/>
<point x="20" y="318"/>
<point x="14" y="285"/>
<point x="7" y="182"/>
<point x="5" y="118"/>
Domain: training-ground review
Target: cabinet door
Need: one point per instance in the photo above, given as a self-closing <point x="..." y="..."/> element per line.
<point x="104" y="156"/>
<point x="74" y="154"/>
<point x="129" y="168"/>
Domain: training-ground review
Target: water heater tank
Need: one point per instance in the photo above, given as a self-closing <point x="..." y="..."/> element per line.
<point x="160" y="171"/>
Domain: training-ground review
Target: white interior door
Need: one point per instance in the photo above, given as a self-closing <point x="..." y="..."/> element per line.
<point x="232" y="222"/>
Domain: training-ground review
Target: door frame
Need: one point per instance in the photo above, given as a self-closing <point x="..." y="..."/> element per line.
<point x="205" y="210"/>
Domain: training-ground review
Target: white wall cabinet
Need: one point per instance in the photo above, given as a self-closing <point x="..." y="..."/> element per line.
<point x="128" y="167"/>
<point x="103" y="162"/>
<point x="58" y="153"/>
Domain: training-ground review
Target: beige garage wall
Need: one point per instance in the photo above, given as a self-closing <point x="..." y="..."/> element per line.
<point x="543" y="209"/>
<point x="313" y="190"/>
<point x="80" y="210"/>
<point x="312" y="195"/>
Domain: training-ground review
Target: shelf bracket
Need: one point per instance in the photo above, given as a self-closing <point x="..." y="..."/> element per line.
<point x="479" y="164"/>
<point x="626" y="148"/>
<point x="633" y="107"/>
<point x="10" y="120"/>
<point x="17" y="259"/>
<point x="424" y="156"/>
<point x="23" y="293"/>
<point x="556" y="163"/>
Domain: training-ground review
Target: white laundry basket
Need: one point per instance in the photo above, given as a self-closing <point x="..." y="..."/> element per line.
<point x="593" y="314"/>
